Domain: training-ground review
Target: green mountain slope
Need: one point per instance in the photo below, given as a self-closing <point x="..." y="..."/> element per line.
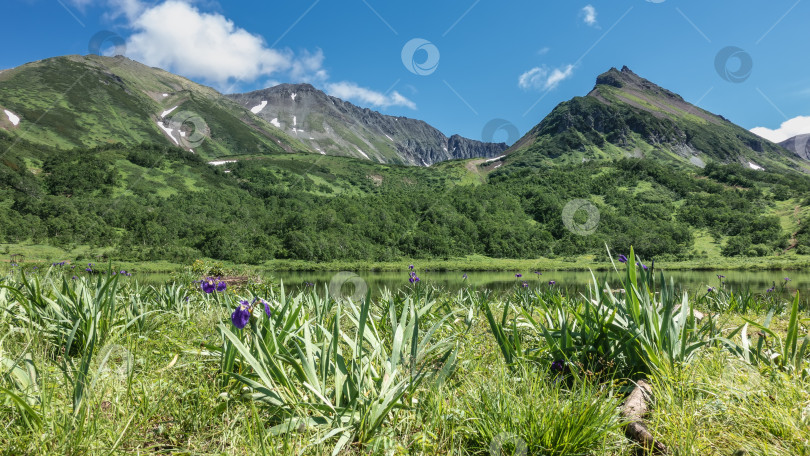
<point x="142" y="201"/>
<point x="628" y="116"/>
<point x="91" y="101"/>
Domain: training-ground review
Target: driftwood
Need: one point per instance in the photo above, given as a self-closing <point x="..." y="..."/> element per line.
<point x="634" y="409"/>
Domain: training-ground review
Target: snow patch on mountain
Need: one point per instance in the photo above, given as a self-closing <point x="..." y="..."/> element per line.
<point x="14" y="118"/>
<point x="258" y="108"/>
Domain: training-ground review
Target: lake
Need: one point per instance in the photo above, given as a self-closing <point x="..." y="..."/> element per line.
<point x="500" y="282"/>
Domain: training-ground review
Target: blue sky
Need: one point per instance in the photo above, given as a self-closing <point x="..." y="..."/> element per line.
<point x="509" y="59"/>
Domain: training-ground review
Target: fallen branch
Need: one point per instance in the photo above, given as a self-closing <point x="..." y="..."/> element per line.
<point x="634" y="409"/>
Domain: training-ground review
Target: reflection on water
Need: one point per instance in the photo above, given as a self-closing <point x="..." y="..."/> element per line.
<point x="350" y="283"/>
<point x="572" y="281"/>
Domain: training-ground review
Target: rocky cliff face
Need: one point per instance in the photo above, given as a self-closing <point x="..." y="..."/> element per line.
<point x="799" y="145"/>
<point x="332" y="126"/>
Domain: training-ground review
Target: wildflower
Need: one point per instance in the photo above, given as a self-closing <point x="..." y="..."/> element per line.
<point x="622" y="258"/>
<point x="208" y="286"/>
<point x="720" y="277"/>
<point x="123" y="272"/>
<point x="525" y="284"/>
<point x="222" y="286"/>
<point x="414" y="278"/>
<point x="552" y="282"/>
<point x="712" y="289"/>
<point x="89" y="265"/>
<point x="464" y="276"/>
<point x="73" y="278"/>
<point x="538" y="273"/>
<point x="787" y="279"/>
<point x="14" y="265"/>
<point x="518" y="275"/>
<point x="770" y="290"/>
<point x="267" y="308"/>
<point x="558" y="366"/>
<point x="241" y="315"/>
<point x="641" y="265"/>
<point x="410" y="267"/>
<point x="88" y="269"/>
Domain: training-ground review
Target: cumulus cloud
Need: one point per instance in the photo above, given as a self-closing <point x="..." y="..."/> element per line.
<point x="796" y="126"/>
<point x="353" y="92"/>
<point x="589" y="15"/>
<point x="544" y="79"/>
<point x="177" y="36"/>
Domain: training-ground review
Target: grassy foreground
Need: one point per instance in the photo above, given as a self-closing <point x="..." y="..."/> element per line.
<point x="103" y="365"/>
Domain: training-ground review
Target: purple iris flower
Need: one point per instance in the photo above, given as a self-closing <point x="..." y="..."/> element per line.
<point x="552" y="282"/>
<point x="241" y="315"/>
<point x="88" y="269"/>
<point x="222" y="286"/>
<point x="787" y="279"/>
<point x="538" y="273"/>
<point x="525" y="284"/>
<point x="643" y="266"/>
<point x="267" y="309"/>
<point x="518" y="275"/>
<point x="712" y="289"/>
<point x="74" y="278"/>
<point x="208" y="286"/>
<point x="622" y="258"/>
<point x="720" y="277"/>
<point x="410" y="267"/>
<point x="558" y="366"/>
<point x="413" y="279"/>
<point x="464" y="277"/>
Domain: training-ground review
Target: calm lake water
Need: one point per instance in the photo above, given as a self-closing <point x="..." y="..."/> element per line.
<point x="573" y="281"/>
<point x="503" y="282"/>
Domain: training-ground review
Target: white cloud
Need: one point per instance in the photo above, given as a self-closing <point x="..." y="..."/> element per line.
<point x="176" y="36"/>
<point x="351" y="91"/>
<point x="544" y="79"/>
<point x="796" y="126"/>
<point x="589" y="15"/>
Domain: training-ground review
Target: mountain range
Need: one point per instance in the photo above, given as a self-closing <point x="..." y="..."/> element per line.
<point x="77" y="101"/>
<point x="106" y="156"/>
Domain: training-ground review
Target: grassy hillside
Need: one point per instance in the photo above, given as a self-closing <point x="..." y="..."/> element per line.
<point x="165" y="203"/>
<point x="81" y="102"/>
